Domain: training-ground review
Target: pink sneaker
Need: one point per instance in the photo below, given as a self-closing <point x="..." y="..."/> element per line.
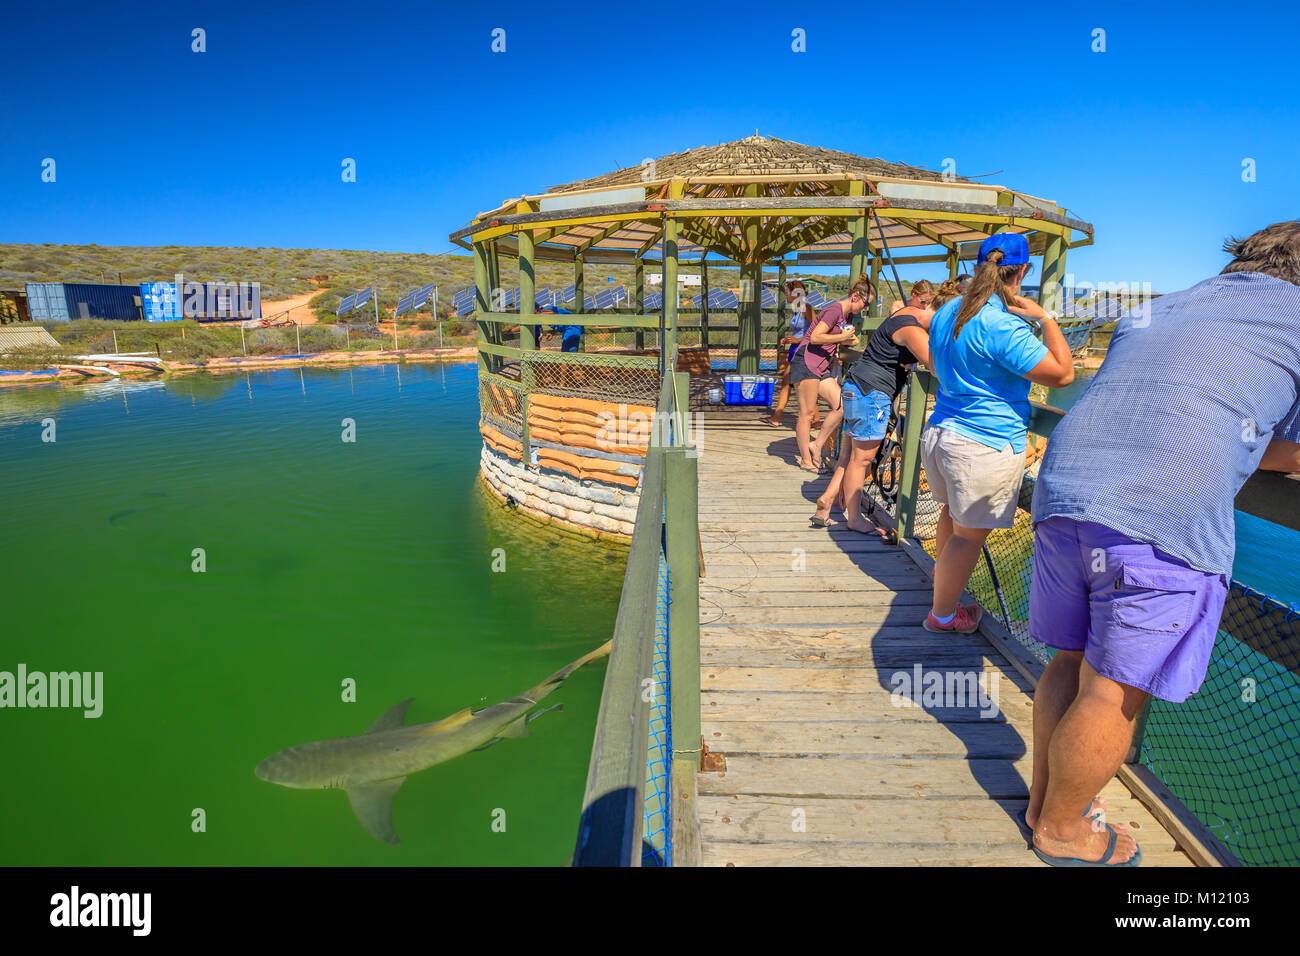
<point x="964" y="621"/>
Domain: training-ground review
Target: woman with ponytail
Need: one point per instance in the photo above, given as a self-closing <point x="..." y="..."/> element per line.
<point x="985" y="355"/>
<point x="810" y="369"/>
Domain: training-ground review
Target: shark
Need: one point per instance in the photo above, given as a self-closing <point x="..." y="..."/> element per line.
<point x="371" y="767"/>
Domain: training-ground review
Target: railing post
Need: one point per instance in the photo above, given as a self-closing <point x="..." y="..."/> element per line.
<point x="918" y="395"/>
<point x="704" y="301"/>
<point x="482" y="294"/>
<point x="668" y="348"/>
<point x="681" y="478"/>
<point x="527" y="336"/>
<point x="640" y="301"/>
<point x="1139" y="731"/>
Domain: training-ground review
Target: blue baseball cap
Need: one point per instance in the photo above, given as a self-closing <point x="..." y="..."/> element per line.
<point x="1014" y="246"/>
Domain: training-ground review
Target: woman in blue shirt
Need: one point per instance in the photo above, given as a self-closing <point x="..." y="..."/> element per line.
<point x="796" y="293"/>
<point x="985" y="355"/>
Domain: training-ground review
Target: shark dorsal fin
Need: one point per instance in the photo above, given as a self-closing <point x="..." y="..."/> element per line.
<point x="392" y="718"/>
<point x="373" y="805"/>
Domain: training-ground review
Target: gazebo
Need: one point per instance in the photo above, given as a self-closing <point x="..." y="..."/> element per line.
<point x="756" y="202"/>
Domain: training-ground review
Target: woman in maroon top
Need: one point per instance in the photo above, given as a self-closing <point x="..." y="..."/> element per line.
<point x="810" y="369"/>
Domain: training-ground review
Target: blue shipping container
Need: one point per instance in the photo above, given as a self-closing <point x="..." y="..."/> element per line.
<point x="160" y="302"/>
<point x="221" y="300"/>
<point x="87" y="300"/>
<point x="46" y="302"/>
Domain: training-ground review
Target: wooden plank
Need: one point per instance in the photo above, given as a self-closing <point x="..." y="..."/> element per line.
<point x="850" y="777"/>
<point x="733" y="704"/>
<point x="902" y="739"/>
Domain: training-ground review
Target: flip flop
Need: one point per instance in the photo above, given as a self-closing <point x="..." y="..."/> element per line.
<point x="1105" y="857"/>
<point x="819" y="522"/>
<point x="1028" y="834"/>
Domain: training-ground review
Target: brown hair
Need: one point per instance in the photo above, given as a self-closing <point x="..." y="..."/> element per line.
<point x="945" y="293"/>
<point x="795" y="282"/>
<point x="1274" y="251"/>
<point x="863" y="287"/>
<point x="991" y="278"/>
<point x="921" y="288"/>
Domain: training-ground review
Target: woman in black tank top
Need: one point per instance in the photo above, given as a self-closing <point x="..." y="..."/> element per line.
<point x="870" y="387"/>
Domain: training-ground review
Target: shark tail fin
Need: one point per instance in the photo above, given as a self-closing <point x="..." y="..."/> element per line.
<point x="556" y="679"/>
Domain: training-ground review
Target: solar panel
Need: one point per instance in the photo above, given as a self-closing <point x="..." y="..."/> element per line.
<point x="404" y="303"/>
<point x="605" y="299"/>
<point x="588" y="305"/>
<point x="728" y="300"/>
<point x="421" y="295"/>
<point x="568" y="293"/>
<point x="768" y="299"/>
<point x="815" y="298"/>
<point x="459" y="299"/>
<point x="346" y="305"/>
<point x="466" y="309"/>
<point x="363" y="297"/>
<point x="655" y="300"/>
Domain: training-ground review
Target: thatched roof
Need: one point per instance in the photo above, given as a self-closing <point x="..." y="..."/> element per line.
<point x="757" y="156"/>
<point x="711" y="189"/>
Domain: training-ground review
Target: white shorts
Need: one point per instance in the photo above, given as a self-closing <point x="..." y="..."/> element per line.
<point x="980" y="485"/>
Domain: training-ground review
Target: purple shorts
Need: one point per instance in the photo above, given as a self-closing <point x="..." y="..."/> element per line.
<point x="1141" y="616"/>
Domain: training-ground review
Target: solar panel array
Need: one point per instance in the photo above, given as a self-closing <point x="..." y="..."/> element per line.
<point x="346" y="305"/>
<point x="654" y="301"/>
<point x="363" y="297"/>
<point x="421" y="296"/>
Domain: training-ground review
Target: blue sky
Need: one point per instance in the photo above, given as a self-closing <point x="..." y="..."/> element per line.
<point x="243" y="144"/>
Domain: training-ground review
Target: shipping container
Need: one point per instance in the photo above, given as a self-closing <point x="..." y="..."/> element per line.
<point x="86" y="300"/>
<point x="159" y="302"/>
<point x="46" y="303"/>
<point x="208" y="301"/>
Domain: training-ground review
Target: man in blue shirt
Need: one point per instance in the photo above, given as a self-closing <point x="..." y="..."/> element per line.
<point x="1133" y="512"/>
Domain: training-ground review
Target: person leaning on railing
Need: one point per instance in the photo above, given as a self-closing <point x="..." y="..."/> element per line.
<point x="985" y="355"/>
<point x="870" y="387"/>
<point x="801" y="316"/>
<point x="811" y="369"/>
<point x="1133" y="510"/>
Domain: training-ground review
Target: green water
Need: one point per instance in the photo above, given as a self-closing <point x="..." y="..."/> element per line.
<point x="325" y="561"/>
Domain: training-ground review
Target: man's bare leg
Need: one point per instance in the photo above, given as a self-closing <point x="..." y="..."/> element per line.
<point x="1090" y="742"/>
<point x="1056" y="691"/>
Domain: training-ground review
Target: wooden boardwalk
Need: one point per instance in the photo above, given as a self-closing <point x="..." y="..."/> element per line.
<point x="805" y="634"/>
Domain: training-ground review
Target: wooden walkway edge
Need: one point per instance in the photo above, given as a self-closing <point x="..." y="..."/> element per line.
<point x="849" y="734"/>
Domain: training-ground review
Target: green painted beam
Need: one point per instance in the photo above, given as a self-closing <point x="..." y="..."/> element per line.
<point x="920" y="387"/>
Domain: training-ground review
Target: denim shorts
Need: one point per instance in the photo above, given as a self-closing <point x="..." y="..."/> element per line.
<point x="1140" y="616"/>
<point x="866" y="417"/>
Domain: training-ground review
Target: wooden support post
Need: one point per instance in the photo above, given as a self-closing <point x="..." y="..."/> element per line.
<point x="1050" y="295"/>
<point x="780" y="301"/>
<point x="750" y="317"/>
<point x="909" y="486"/>
<point x="527" y="338"/>
<point x="704" y="300"/>
<point x="482" y="303"/>
<point x="877" y="307"/>
<point x="640" y="301"/>
<point x="859" y="250"/>
<point x="952" y="264"/>
<point x="668" y="347"/>
<point x="579" y="285"/>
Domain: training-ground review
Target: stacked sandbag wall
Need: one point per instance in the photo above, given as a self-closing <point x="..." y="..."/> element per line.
<point x="586" y="462"/>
